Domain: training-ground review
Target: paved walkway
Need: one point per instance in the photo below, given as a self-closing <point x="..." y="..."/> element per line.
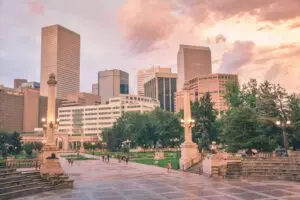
<point x="97" y="180"/>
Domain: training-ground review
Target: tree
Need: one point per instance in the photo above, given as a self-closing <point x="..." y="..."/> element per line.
<point x="28" y="147"/>
<point x="241" y="131"/>
<point x="37" y="146"/>
<point x="147" y="130"/>
<point x="16" y="142"/>
<point x="205" y="130"/>
<point x="232" y="95"/>
<point x="268" y="103"/>
<point x="294" y="106"/>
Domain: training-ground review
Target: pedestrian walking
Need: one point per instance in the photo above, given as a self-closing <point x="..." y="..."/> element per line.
<point x="102" y="158"/>
<point x="169" y="166"/>
<point x="108" y="158"/>
<point x="126" y="160"/>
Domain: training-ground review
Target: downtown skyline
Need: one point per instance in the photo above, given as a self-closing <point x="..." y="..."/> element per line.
<point x="247" y="40"/>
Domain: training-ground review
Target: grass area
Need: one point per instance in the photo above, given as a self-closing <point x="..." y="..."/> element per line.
<point x="75" y="157"/>
<point x="25" y="156"/>
<point x="22" y="156"/>
<point x="146" y="158"/>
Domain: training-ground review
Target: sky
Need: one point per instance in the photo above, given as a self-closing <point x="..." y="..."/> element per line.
<point x="254" y="39"/>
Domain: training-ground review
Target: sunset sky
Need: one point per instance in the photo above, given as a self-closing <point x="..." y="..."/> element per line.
<point x="253" y="38"/>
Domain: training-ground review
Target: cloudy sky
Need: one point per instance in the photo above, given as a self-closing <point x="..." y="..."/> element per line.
<point x="253" y="38"/>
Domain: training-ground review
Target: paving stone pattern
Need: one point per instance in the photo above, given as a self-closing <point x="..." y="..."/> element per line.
<point x="97" y="180"/>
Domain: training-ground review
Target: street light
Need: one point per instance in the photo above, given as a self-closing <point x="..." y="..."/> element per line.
<point x="283" y="125"/>
<point x="188" y="122"/>
<point x="93" y="147"/>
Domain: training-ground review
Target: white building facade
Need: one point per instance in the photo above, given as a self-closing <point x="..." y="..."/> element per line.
<point x="91" y="120"/>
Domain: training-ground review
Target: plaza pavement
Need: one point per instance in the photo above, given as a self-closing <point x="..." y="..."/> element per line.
<point x="97" y="180"/>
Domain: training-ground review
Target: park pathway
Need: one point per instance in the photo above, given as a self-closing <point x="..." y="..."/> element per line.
<point x="114" y="181"/>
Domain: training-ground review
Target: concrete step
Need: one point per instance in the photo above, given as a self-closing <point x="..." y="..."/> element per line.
<point x="25" y="192"/>
<point x="13" y="173"/>
<point x="15" y="182"/>
<point x="7" y="170"/>
<point x="23" y="186"/>
<point x="263" y="177"/>
<point x="12" y="178"/>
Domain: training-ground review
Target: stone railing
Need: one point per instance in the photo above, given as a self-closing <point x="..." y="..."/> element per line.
<point x="196" y="159"/>
<point x="154" y="150"/>
<point x="21" y="163"/>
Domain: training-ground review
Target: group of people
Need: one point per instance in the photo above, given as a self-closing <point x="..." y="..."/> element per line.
<point x="105" y="158"/>
<point x="70" y="161"/>
<point x="123" y="158"/>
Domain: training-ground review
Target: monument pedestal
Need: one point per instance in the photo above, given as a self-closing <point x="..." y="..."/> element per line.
<point x="50" y="166"/>
<point x="81" y="149"/>
<point x="189" y="155"/>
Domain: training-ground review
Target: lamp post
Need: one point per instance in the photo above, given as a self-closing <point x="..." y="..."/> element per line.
<point x="126" y="144"/>
<point x="93" y="147"/>
<point x="187" y="124"/>
<point x="52" y="125"/>
<point x="283" y="125"/>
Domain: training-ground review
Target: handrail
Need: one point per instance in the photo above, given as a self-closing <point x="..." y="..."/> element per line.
<point x="21" y="163"/>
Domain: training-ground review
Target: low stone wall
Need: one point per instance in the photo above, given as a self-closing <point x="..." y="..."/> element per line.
<point x="263" y="165"/>
<point x="153" y="150"/>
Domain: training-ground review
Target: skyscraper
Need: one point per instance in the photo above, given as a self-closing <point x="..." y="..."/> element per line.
<point x="95" y="89"/>
<point x="60" y="54"/>
<point x="145" y="73"/>
<point x="192" y="61"/>
<point x="162" y="86"/>
<point x="112" y="83"/>
<point x="215" y="84"/>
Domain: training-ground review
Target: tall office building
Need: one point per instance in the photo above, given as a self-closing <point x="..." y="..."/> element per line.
<point x="22" y="109"/>
<point x="18" y="82"/>
<point x="145" y="73"/>
<point x="162" y="86"/>
<point x="192" y="61"/>
<point x="99" y="117"/>
<point x="60" y="54"/>
<point x="95" y="89"/>
<point x="215" y="84"/>
<point x="112" y="83"/>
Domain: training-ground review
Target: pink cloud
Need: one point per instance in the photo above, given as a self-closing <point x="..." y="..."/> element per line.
<point x="144" y="22"/>
<point x="240" y="54"/>
<point x="36" y="7"/>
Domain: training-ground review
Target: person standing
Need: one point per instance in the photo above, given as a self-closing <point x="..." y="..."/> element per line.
<point x="169" y="166"/>
<point x="108" y="158"/>
<point x="126" y="160"/>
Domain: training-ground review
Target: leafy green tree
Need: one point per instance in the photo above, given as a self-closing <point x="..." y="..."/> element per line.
<point x="241" y="131"/>
<point x="205" y="130"/>
<point x="147" y="130"/>
<point x="249" y="94"/>
<point x="294" y="105"/>
<point x="37" y="146"/>
<point x="16" y="142"/>
<point x="233" y="95"/>
<point x="28" y="148"/>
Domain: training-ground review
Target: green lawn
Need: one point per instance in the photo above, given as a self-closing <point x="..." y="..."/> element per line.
<point x="146" y="158"/>
<point x="75" y="157"/>
<point x="23" y="156"/>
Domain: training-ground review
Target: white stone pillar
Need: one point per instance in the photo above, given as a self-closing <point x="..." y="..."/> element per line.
<point x="187" y="117"/>
<point x="51" y="110"/>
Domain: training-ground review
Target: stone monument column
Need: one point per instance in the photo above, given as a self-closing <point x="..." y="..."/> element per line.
<point x="189" y="150"/>
<point x="51" y="165"/>
<point x="51" y="107"/>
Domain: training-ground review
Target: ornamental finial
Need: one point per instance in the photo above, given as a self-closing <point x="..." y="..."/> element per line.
<point x="52" y="80"/>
